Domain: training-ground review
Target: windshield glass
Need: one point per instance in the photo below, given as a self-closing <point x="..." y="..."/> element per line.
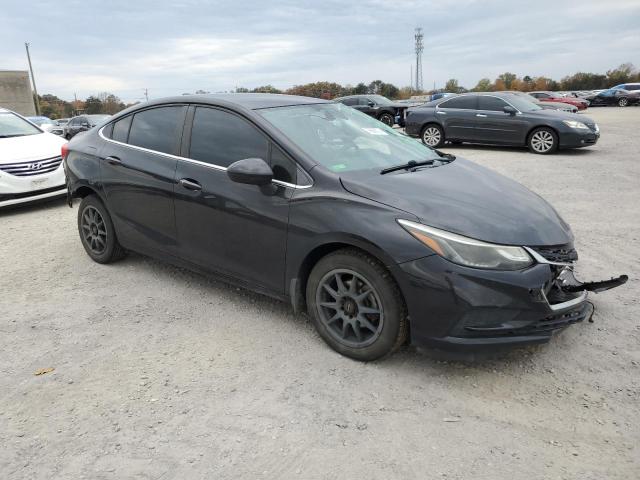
<point x="380" y="100"/>
<point x="523" y="104"/>
<point x="12" y="125"/>
<point x="96" y="119"/>
<point x="344" y="139"/>
<point x="40" y="120"/>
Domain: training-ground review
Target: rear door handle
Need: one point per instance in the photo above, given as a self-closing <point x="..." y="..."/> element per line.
<point x="113" y="161"/>
<point x="441" y="113"/>
<point x="481" y="115"/>
<point x="190" y="184"/>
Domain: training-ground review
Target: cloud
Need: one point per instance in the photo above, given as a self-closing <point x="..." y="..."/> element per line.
<point x="123" y="46"/>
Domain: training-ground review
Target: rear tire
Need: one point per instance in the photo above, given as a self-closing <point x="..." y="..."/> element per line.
<point x="96" y="231"/>
<point x="432" y="135"/>
<point x="356" y="305"/>
<point x="543" y="141"/>
<point x="387" y="119"/>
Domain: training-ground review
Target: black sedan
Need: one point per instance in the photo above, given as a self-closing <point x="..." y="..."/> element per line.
<point x="500" y="119"/>
<point x="616" y="97"/>
<point x="378" y="237"/>
<point x="82" y="123"/>
<point x="377" y="106"/>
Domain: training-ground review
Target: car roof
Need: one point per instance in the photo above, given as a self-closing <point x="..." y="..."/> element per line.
<point x="250" y="101"/>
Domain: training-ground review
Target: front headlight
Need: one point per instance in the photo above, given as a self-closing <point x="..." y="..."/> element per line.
<point x="467" y="251"/>
<point x="574" y="124"/>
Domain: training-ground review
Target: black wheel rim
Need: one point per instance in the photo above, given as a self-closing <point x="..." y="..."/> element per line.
<point x="94" y="231"/>
<point x="350" y="308"/>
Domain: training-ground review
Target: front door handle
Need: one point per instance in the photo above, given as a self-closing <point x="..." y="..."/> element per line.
<point x="481" y="115"/>
<point x="113" y="161"/>
<point x="441" y="113"/>
<point x="190" y="184"/>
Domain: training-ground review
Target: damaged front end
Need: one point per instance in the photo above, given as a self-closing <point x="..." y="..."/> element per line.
<point x="564" y="286"/>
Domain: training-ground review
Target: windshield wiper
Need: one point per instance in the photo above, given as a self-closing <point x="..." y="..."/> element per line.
<point x="12" y="135"/>
<point x="410" y="164"/>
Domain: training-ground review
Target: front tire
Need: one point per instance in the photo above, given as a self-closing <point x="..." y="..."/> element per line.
<point x="623" y="102"/>
<point x="356" y="306"/>
<point x="543" y="141"/>
<point x="387" y="119"/>
<point x="96" y="231"/>
<point x="432" y="135"/>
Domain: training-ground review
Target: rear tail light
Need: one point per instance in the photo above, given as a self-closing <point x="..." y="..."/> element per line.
<point x="64" y="150"/>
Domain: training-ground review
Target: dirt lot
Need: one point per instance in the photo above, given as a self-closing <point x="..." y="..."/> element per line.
<point x="163" y="374"/>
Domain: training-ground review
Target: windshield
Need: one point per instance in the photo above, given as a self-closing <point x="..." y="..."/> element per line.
<point x="523" y="104"/>
<point x="380" y="100"/>
<point x="343" y="139"/>
<point x="95" y="119"/>
<point x="12" y="125"/>
<point x="40" y="120"/>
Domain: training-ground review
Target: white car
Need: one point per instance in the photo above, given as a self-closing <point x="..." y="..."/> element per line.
<point x="30" y="161"/>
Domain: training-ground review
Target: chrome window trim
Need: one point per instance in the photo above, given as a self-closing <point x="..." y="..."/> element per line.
<point x="197" y="162"/>
<point x="568" y="304"/>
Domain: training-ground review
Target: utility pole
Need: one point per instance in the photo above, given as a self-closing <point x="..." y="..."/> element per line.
<point x="411" y="80"/>
<point x="146" y="94"/>
<point x="33" y="80"/>
<point x="419" y="49"/>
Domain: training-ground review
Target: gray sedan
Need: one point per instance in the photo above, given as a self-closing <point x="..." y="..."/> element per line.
<point x="500" y="119"/>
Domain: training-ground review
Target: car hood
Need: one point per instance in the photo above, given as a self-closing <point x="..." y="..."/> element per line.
<point x="30" y="147"/>
<point x="465" y="198"/>
<point x="561" y="115"/>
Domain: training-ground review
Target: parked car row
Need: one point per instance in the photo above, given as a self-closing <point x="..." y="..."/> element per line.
<point x="67" y="127"/>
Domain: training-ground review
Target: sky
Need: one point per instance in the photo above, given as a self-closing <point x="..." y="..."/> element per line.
<point x="87" y="47"/>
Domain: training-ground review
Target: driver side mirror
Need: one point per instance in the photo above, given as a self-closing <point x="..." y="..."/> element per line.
<point x="371" y="104"/>
<point x="510" y="110"/>
<point x="251" y="171"/>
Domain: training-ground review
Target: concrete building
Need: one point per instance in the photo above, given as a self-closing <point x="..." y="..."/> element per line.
<point x="16" y="93"/>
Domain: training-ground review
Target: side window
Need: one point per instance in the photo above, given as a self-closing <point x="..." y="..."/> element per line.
<point x="121" y="129"/>
<point x="157" y="128"/>
<point x="491" y="103"/>
<point x="467" y="102"/>
<point x="350" y="101"/>
<point x="364" y="101"/>
<point x="75" y="121"/>
<point x="632" y="87"/>
<point x="284" y="169"/>
<point x="221" y="138"/>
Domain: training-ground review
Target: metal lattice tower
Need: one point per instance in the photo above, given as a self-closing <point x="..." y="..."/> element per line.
<point x="419" y="49"/>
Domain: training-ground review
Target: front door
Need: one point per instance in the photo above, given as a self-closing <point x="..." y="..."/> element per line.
<point x="494" y="125"/>
<point x="458" y="117"/>
<point x="137" y="171"/>
<point x="231" y="228"/>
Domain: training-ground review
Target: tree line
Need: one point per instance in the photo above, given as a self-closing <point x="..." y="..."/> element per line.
<point x="506" y="81"/>
<point x="54" y="107"/>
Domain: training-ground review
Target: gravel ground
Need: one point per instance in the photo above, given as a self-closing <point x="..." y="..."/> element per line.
<point x="164" y="374"/>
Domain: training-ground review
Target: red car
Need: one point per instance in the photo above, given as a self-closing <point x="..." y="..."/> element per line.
<point x="554" y="97"/>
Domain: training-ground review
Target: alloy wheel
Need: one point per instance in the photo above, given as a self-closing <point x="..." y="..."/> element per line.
<point x="94" y="231"/>
<point x="623" y="102"/>
<point x="349" y="307"/>
<point x="542" y="141"/>
<point x="431" y="136"/>
<point x="387" y="119"/>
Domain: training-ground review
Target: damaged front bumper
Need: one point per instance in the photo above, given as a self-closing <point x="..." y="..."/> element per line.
<point x="451" y="306"/>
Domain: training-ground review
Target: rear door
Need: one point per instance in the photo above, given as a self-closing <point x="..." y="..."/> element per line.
<point x="494" y="125"/>
<point x="235" y="229"/>
<point x="458" y="116"/>
<point x="137" y="170"/>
